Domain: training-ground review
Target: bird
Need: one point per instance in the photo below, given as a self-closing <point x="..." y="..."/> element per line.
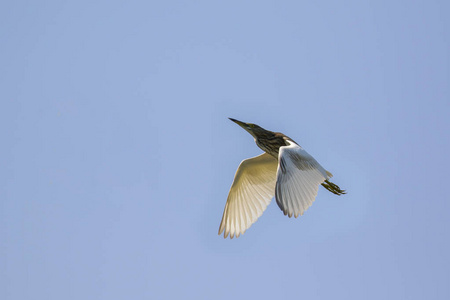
<point x="285" y="170"/>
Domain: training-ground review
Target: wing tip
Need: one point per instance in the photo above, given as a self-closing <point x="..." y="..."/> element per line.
<point x="232" y="235"/>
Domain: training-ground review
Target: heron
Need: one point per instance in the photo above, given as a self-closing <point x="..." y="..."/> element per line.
<point x="285" y="170"/>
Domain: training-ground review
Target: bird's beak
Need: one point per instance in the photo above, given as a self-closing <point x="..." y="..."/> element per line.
<point x="245" y="126"/>
<point x="242" y="124"/>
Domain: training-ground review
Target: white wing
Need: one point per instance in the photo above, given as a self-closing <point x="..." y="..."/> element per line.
<point x="298" y="178"/>
<point x="252" y="189"/>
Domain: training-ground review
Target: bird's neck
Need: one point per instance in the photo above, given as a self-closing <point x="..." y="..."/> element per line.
<point x="271" y="144"/>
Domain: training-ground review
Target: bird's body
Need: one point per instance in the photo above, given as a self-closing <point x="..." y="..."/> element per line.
<point x="285" y="170"/>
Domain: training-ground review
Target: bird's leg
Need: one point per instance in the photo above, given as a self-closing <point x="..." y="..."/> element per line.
<point x="333" y="188"/>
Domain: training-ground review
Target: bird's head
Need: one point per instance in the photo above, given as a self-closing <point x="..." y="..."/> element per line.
<point x="255" y="130"/>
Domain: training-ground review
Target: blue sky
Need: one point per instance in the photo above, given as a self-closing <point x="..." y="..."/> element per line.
<point x="118" y="155"/>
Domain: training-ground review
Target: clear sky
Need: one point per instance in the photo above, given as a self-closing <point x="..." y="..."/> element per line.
<point x="117" y="154"/>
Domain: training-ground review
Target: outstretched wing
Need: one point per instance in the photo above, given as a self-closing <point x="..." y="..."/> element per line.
<point x="252" y="189"/>
<point x="298" y="178"/>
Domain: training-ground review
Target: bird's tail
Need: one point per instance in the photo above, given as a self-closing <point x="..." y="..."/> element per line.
<point x="333" y="188"/>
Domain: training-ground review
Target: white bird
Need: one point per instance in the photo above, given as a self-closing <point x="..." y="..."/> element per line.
<point x="285" y="170"/>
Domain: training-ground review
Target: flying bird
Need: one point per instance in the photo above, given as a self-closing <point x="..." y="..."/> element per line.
<point x="285" y="170"/>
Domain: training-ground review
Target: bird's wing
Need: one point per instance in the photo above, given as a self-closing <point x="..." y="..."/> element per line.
<point x="252" y="189"/>
<point x="298" y="178"/>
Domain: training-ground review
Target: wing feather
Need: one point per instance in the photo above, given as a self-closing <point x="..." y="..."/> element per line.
<point x="298" y="178"/>
<point x="252" y="189"/>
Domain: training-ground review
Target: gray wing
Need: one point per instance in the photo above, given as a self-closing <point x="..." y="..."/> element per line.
<point x="298" y="178"/>
<point x="252" y="189"/>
